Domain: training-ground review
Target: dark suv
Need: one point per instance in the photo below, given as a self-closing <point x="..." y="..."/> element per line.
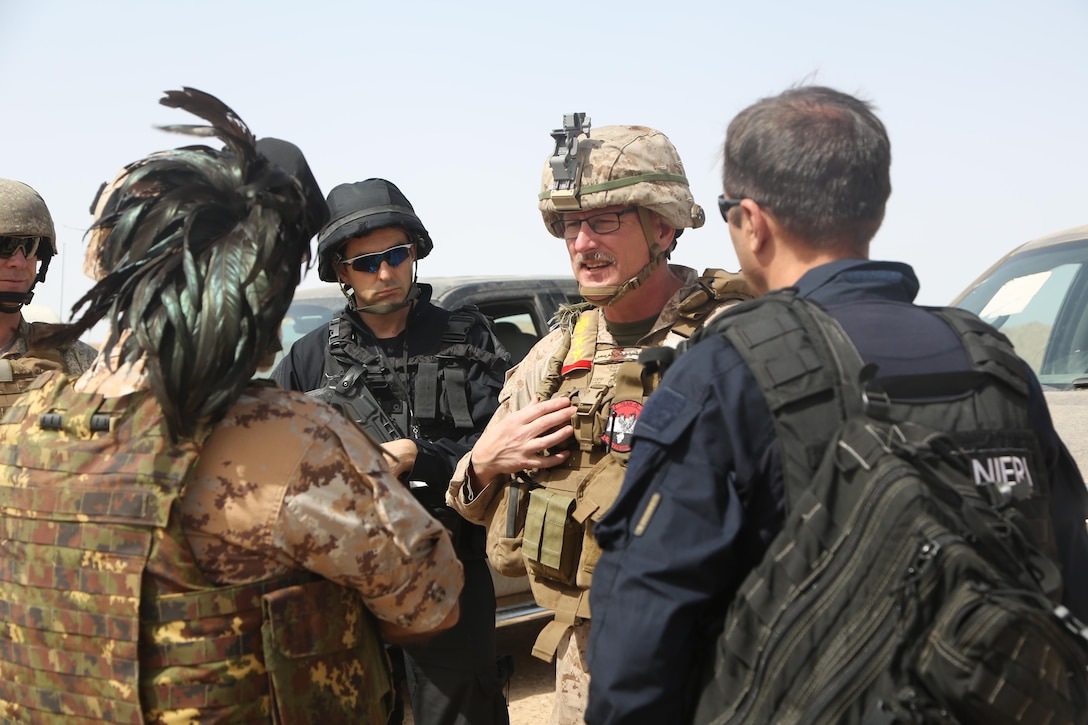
<point x="520" y="307"/>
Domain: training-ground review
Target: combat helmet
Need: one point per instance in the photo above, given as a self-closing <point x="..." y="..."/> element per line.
<point x="23" y="214"/>
<point x="357" y="209"/>
<point x="618" y="166"/>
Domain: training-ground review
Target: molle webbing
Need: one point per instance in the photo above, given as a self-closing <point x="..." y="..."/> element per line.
<point x="96" y="502"/>
<point x="132" y="621"/>
<point x="16" y="374"/>
<point x="437" y="375"/>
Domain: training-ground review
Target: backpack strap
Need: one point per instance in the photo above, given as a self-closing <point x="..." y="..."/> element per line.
<point x="989" y="350"/>
<point x="803" y="362"/>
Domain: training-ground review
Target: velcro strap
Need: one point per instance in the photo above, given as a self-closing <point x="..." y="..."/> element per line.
<point x="426" y="385"/>
<point x="457" y="397"/>
<point x="547" y="642"/>
<point x="6" y="375"/>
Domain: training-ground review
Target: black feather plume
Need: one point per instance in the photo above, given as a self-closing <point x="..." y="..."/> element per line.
<point x="201" y="250"/>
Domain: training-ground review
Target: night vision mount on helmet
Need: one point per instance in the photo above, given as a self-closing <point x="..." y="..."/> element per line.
<point x="23" y="214"/>
<point x="618" y="166"/>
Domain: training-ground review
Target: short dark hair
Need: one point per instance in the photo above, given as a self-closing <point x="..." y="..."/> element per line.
<point x="818" y="158"/>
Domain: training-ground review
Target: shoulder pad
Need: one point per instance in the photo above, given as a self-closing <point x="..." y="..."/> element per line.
<point x="716" y="285"/>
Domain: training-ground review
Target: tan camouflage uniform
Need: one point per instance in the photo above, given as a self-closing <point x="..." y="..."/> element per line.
<point x="284" y="488"/>
<point x="487" y="508"/>
<point x="77" y="356"/>
<point x="285" y="483"/>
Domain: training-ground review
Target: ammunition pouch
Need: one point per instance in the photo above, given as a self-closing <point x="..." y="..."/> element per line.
<point x="558" y="533"/>
<point x="552" y="540"/>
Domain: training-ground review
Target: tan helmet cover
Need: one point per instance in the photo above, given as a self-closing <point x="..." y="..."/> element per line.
<point x="98" y="261"/>
<point x="23" y="213"/>
<point x="628" y="166"/>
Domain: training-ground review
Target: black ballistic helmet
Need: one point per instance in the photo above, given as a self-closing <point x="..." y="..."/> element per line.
<point x="360" y="208"/>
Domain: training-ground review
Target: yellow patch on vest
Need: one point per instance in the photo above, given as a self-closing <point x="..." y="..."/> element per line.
<point x="583" y="343"/>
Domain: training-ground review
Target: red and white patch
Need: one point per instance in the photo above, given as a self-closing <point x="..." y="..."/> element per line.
<point x="621" y="422"/>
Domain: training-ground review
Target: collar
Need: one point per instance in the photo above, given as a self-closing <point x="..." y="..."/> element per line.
<point x="848" y="279"/>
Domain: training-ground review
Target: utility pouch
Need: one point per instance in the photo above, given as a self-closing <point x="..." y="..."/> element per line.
<point x="504" y="531"/>
<point x="553" y="539"/>
<point x="987" y="648"/>
<point x="324" y="657"/>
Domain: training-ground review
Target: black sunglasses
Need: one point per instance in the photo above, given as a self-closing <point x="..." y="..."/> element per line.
<point x="371" y="263"/>
<point x="724" y="205"/>
<point x="11" y="245"/>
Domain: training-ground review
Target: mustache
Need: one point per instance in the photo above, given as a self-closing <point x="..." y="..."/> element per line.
<point x="587" y="257"/>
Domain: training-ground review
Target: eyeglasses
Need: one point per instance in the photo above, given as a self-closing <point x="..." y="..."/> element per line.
<point x="371" y="263"/>
<point x="724" y="205"/>
<point x="10" y="245"/>
<point x="600" y="224"/>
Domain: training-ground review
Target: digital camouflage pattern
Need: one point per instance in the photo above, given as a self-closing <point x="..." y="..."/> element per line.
<point x="23" y="213"/>
<point x="579" y="358"/>
<point x="138" y="618"/>
<point x="585" y="362"/>
<point x="629" y="166"/>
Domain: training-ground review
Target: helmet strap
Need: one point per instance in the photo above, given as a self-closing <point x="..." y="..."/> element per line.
<point x="11" y="302"/>
<point x="657" y="255"/>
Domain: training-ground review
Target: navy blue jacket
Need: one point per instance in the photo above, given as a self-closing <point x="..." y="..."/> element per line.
<point x="705" y="442"/>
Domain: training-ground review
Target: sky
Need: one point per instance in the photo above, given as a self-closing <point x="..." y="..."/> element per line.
<point x="986" y="104"/>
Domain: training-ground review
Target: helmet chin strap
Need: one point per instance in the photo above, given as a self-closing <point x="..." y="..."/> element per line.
<point x="386" y="307"/>
<point x="614" y="293"/>
<point x="13" y="301"/>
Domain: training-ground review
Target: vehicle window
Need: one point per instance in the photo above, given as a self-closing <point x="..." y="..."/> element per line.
<point x="517" y="333"/>
<point x="1039" y="299"/>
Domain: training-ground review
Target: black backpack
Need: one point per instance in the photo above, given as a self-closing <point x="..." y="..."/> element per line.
<point x="914" y="579"/>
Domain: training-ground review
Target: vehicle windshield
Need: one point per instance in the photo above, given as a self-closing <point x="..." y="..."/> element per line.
<point x="1039" y="299"/>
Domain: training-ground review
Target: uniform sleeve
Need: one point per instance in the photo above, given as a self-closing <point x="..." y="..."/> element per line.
<point x="346" y="518"/>
<point x="78" y="357"/>
<point x="670" y="544"/>
<point x="285" y="483"/>
<point x="521" y="385"/>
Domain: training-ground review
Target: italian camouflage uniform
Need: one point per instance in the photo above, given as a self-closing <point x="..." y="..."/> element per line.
<point x="231" y="578"/>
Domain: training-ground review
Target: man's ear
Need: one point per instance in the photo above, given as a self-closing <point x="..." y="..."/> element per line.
<point x="757" y="230"/>
<point x="664" y="234"/>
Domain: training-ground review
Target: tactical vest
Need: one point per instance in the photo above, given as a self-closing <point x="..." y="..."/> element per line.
<point x="108" y="617"/>
<point x="609" y="386"/>
<point x="427" y="398"/>
<point x="914" y="579"/>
